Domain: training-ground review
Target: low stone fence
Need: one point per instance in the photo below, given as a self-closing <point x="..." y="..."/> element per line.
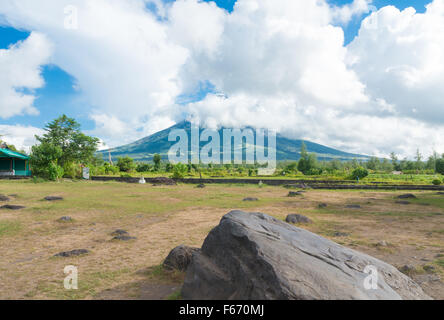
<point x="318" y="184"/>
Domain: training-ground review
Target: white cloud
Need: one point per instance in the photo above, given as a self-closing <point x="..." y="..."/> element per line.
<point x="20" y="74"/>
<point x="398" y="55"/>
<point x="22" y="137"/>
<point x="346" y="12"/>
<point x="279" y="64"/>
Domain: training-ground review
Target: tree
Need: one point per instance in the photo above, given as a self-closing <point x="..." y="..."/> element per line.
<point x="126" y="164"/>
<point x="440" y="165"/>
<point x="359" y="173"/>
<point x="44" y="161"/>
<point x="62" y="146"/>
<point x="395" y="163"/>
<point x="418" y="158"/>
<point x="307" y="162"/>
<point x="373" y="163"/>
<point x="157" y="159"/>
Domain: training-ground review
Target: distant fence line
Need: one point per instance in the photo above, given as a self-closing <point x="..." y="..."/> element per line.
<point x="317" y="184"/>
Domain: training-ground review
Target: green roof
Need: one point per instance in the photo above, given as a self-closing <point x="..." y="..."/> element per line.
<point x="12" y="154"/>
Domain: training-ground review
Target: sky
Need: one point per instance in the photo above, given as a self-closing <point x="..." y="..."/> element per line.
<point x="362" y="76"/>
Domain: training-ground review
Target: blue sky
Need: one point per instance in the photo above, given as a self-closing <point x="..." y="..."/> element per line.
<point x="59" y="95"/>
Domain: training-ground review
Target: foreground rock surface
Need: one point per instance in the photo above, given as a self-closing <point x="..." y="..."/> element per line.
<point x="254" y="256"/>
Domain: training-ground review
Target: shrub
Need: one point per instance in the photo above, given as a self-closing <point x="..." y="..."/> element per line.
<point x="437" y="182"/>
<point x="55" y="172"/>
<point x="179" y="171"/>
<point x="109" y="169"/>
<point x="126" y="164"/>
<point x="143" y="167"/>
<point x="72" y="170"/>
<point x="359" y="173"/>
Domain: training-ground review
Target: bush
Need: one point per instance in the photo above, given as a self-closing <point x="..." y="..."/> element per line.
<point x="109" y="169"/>
<point x="437" y="182"/>
<point x="72" y="170"/>
<point x="126" y="164"/>
<point x="359" y="173"/>
<point x="55" y="172"/>
<point x="143" y="167"/>
<point x="179" y="171"/>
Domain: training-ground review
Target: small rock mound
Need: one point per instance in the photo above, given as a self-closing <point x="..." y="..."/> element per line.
<point x="252" y="256"/>
<point x="341" y="234"/>
<point x="122" y="235"/>
<point x="179" y="258"/>
<point x="73" y="253"/>
<point x="123" y="238"/>
<point x="407" y="196"/>
<point x="4" y="198"/>
<point x="297" y="218"/>
<point x="119" y="232"/>
<point x="353" y="206"/>
<point x="162" y="181"/>
<point x="250" y="199"/>
<point x="407" y="269"/>
<point x="12" y="207"/>
<point x="294" y="194"/>
<point x="65" y="219"/>
<point x="53" y="198"/>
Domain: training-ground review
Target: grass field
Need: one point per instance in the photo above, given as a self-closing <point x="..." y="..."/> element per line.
<point x="166" y="216"/>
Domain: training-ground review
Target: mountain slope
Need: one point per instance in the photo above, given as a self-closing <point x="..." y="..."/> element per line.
<point x="286" y="149"/>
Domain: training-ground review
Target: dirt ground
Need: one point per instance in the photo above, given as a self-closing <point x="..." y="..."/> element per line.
<point x="163" y="217"/>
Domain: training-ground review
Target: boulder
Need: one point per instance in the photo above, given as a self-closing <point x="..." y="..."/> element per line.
<point x="353" y="206"/>
<point x="65" y="219"/>
<point x="53" y="198"/>
<point x="252" y="256"/>
<point x="12" y="207"/>
<point x="407" y="196"/>
<point x="322" y="205"/>
<point x="200" y="186"/>
<point x="73" y="253"/>
<point x="4" y="198"/>
<point x="123" y="238"/>
<point x="179" y="258"/>
<point x="294" y="194"/>
<point x="120" y="232"/>
<point x="297" y="218"/>
<point x="250" y="199"/>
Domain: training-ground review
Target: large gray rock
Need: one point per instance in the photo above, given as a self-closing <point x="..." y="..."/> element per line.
<point x="254" y="256"/>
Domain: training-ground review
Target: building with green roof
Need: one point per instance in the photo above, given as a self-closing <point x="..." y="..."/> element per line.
<point x="13" y="163"/>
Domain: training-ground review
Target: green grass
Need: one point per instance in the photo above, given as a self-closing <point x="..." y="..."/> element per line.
<point x="9" y="228"/>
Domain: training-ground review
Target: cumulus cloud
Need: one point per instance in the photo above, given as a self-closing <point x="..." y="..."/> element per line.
<point x="22" y="137"/>
<point x="357" y="8"/>
<point x="20" y="74"/>
<point x="398" y="55"/>
<point x="277" y="63"/>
